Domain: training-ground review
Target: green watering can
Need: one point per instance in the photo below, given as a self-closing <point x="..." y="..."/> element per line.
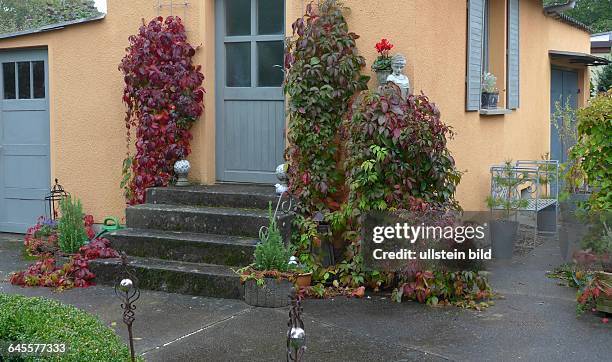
<point x="110" y="223"/>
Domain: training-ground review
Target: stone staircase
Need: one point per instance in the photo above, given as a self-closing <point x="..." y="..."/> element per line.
<point x="187" y="240"/>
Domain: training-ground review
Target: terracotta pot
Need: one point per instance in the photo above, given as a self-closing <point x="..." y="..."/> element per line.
<point x="303" y="280"/>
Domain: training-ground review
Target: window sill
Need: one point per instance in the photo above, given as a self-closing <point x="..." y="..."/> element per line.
<point x="495" y="112"/>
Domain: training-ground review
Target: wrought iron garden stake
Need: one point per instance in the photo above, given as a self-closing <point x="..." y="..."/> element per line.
<point x="296" y="337"/>
<point x="53" y="198"/>
<point x="128" y="292"/>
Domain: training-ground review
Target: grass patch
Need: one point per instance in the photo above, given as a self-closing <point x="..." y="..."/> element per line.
<point x="41" y="320"/>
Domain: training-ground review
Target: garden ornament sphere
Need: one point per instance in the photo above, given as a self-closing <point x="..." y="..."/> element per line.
<point x="181" y="169"/>
<point x="293" y="261"/>
<point x="297" y="337"/>
<point x="281" y="189"/>
<point x="126" y="284"/>
<point x="281" y="173"/>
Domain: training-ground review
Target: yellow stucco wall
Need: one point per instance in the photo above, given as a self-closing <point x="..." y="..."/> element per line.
<point x="432" y="35"/>
<point x="87" y="128"/>
<point x="86" y="112"/>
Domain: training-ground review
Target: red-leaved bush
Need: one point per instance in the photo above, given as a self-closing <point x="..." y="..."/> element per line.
<point x="75" y="273"/>
<point x="163" y="95"/>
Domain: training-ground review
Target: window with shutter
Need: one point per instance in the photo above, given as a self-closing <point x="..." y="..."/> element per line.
<point x="513" y="55"/>
<point x="474" y="53"/>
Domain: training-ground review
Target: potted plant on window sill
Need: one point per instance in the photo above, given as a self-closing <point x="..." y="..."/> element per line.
<point x="490" y="93"/>
<point x="266" y="281"/>
<point x="382" y="64"/>
<point x="504" y="231"/>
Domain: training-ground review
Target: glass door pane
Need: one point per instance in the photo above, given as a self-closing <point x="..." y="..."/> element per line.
<point x="237" y="17"/>
<point x="238" y="64"/>
<point x="270" y="63"/>
<point x="271" y="15"/>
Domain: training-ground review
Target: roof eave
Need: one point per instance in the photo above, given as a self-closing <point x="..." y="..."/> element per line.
<point x="52" y="27"/>
<point x="568" y="20"/>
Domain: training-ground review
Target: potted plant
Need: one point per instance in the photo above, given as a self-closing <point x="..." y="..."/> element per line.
<point x="490" y="94"/>
<point x="266" y="281"/>
<point x="302" y="273"/>
<point x="72" y="233"/>
<point x="382" y="64"/>
<point x="506" y="197"/>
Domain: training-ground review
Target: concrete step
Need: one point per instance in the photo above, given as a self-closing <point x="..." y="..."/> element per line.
<point x="224" y="195"/>
<point x="207" y="220"/>
<point x="172" y="276"/>
<point x="185" y="246"/>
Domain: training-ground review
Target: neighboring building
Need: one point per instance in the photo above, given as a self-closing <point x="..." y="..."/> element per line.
<point x="601" y="46"/>
<point x="61" y="114"/>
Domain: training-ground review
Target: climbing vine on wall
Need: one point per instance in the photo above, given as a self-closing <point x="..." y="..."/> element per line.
<point x="323" y="74"/>
<point x="163" y="94"/>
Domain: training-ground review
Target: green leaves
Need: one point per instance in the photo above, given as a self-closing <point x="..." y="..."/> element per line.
<point x="323" y="74"/>
<point x="71" y="228"/>
<point x="593" y="150"/>
<point x="41" y="320"/>
<point x="271" y="253"/>
<point x="396" y="152"/>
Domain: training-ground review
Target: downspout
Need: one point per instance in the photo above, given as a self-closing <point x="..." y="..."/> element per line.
<point x="560" y="8"/>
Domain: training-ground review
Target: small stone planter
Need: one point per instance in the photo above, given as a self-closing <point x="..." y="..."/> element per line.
<point x="381" y="76"/>
<point x="274" y="293"/>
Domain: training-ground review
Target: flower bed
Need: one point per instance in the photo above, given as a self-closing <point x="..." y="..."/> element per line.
<point x="42" y="242"/>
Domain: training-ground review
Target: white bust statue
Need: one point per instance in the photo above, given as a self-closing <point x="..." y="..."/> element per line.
<point x="398" y="62"/>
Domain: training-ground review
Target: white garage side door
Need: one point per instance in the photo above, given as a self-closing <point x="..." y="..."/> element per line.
<point x="24" y="138"/>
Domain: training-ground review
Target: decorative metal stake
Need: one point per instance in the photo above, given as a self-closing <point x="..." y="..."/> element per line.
<point x="128" y="292"/>
<point x="296" y="337"/>
<point x="53" y="198"/>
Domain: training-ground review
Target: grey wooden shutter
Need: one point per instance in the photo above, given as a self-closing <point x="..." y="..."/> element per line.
<point x="475" y="29"/>
<point x="513" y="54"/>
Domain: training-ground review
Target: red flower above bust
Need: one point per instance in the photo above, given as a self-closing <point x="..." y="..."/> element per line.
<point x="384" y="46"/>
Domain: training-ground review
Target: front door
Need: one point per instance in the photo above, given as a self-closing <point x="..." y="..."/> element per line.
<point x="563" y="89"/>
<point x="24" y="138"/>
<point x="250" y="124"/>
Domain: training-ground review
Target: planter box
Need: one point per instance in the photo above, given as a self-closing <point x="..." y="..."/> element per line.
<point x="567" y="208"/>
<point x="547" y="219"/>
<point x="489" y="100"/>
<point x="503" y="237"/>
<point x="273" y="293"/>
<point x="604" y="303"/>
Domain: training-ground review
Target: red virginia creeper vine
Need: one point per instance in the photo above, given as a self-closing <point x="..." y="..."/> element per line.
<point x="164" y="96"/>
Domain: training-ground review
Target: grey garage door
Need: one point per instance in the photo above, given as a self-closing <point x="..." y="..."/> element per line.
<point x="24" y="138"/>
<point x="250" y="123"/>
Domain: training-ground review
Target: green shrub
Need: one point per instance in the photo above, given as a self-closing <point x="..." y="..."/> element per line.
<point x="271" y="253"/>
<point x="604" y="78"/>
<point x="40" y="320"/>
<point x="71" y="226"/>
<point x="593" y="149"/>
<point x="397" y="154"/>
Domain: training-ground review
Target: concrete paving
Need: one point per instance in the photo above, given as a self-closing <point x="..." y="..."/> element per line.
<point x="535" y="320"/>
